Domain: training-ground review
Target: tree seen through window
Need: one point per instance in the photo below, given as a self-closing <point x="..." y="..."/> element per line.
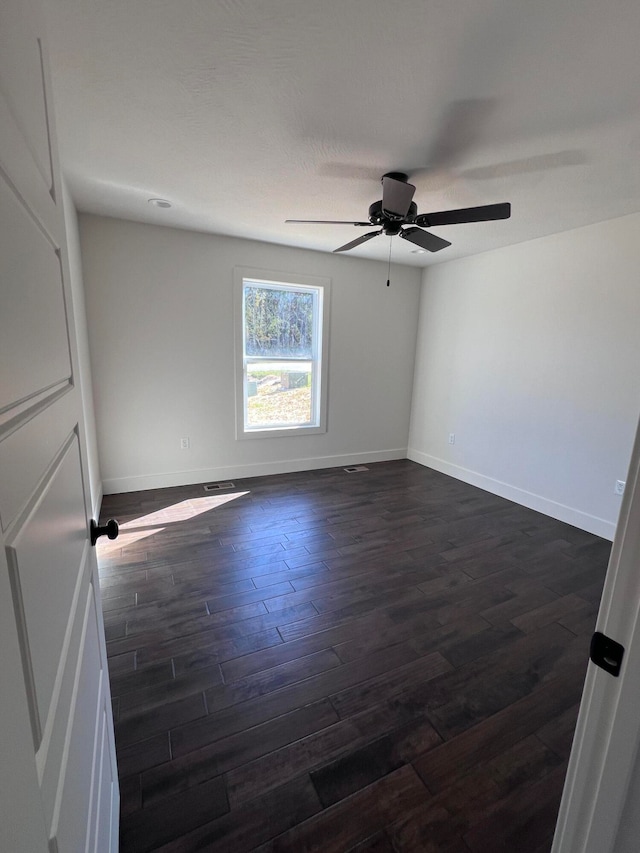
<point x="278" y="323"/>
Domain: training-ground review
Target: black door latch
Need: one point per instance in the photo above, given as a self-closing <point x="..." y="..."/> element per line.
<point x="606" y="653"/>
<point x="110" y="530"/>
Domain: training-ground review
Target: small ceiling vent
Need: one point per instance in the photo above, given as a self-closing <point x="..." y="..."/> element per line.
<point x="355" y="469"/>
<point x="216" y="487"/>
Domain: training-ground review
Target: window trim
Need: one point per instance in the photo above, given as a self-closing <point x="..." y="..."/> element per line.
<point x="275" y="279"/>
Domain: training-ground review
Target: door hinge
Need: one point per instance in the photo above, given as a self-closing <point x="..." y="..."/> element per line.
<point x="606" y="653"/>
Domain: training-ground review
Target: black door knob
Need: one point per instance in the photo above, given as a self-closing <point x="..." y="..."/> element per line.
<point x="109" y="529"/>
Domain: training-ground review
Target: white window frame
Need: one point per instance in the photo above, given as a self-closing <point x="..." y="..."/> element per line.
<point x="320" y="358"/>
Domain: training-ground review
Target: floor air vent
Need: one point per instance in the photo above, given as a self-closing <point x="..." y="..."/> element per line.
<point x="355" y="469"/>
<point x="216" y="487"/>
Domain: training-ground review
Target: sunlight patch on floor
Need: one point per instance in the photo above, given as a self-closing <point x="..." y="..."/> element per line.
<point x="147" y="525"/>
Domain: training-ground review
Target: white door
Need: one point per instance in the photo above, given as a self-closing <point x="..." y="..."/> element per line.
<point x="600" y="809"/>
<point x="58" y="781"/>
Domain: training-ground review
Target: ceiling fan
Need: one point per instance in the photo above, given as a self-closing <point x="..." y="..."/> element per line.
<point x="396" y="209"/>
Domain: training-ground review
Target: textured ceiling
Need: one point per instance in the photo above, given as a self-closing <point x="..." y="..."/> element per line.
<point x="246" y="112"/>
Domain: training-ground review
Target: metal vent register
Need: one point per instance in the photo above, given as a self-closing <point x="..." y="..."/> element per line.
<point x="216" y="487"/>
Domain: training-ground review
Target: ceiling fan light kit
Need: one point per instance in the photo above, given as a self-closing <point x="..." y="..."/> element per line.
<point x="396" y="209"/>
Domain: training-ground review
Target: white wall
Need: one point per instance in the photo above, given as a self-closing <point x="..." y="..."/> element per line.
<point x="84" y="360"/>
<point x="531" y="355"/>
<point x="160" y="310"/>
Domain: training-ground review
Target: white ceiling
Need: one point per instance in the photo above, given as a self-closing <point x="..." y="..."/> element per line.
<point x="246" y="112"/>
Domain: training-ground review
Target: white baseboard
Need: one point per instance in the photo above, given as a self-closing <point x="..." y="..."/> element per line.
<point x="116" y="485"/>
<point x="575" y="517"/>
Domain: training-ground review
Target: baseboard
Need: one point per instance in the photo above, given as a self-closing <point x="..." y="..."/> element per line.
<point x="577" y="518"/>
<point x="117" y="485"/>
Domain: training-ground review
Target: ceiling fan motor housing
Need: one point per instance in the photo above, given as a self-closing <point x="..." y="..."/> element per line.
<point x="395" y="176"/>
<point x="389" y="223"/>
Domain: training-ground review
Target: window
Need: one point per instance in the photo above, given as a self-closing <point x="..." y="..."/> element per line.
<point x="281" y="353"/>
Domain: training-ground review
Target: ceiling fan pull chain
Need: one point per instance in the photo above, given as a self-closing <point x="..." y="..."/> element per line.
<point x="389" y="273"/>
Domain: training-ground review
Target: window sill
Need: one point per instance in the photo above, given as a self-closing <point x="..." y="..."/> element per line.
<point x="280" y="432"/>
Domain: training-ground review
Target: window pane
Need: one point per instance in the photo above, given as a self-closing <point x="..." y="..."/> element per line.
<point x="278" y="394"/>
<point x="278" y="322"/>
<point x="279" y="354"/>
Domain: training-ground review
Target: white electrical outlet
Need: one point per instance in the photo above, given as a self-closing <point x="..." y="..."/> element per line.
<point x="185" y="443"/>
<point x="618" y="489"/>
<point x="452" y="438"/>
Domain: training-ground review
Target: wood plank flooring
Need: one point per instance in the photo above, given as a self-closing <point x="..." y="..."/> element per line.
<point x="384" y="661"/>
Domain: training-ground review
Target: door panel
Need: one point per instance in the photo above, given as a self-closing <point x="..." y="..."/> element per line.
<point x="44" y="579"/>
<point x="21" y="76"/>
<point x="71" y="822"/>
<point x="25" y="454"/>
<point x="50" y="757"/>
<point x="57" y="761"/>
<point x="102" y="792"/>
<point x="33" y="306"/>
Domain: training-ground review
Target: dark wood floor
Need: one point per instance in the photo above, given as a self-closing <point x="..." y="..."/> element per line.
<point x="384" y="661"/>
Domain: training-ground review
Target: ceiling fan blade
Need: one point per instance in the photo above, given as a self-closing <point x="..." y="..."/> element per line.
<point x="423" y="239"/>
<point x="396" y="197"/>
<point x="485" y="213"/>
<point x="327" y="222"/>
<point x="358" y="241"/>
<point x="526" y="165"/>
<point x="460" y="130"/>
